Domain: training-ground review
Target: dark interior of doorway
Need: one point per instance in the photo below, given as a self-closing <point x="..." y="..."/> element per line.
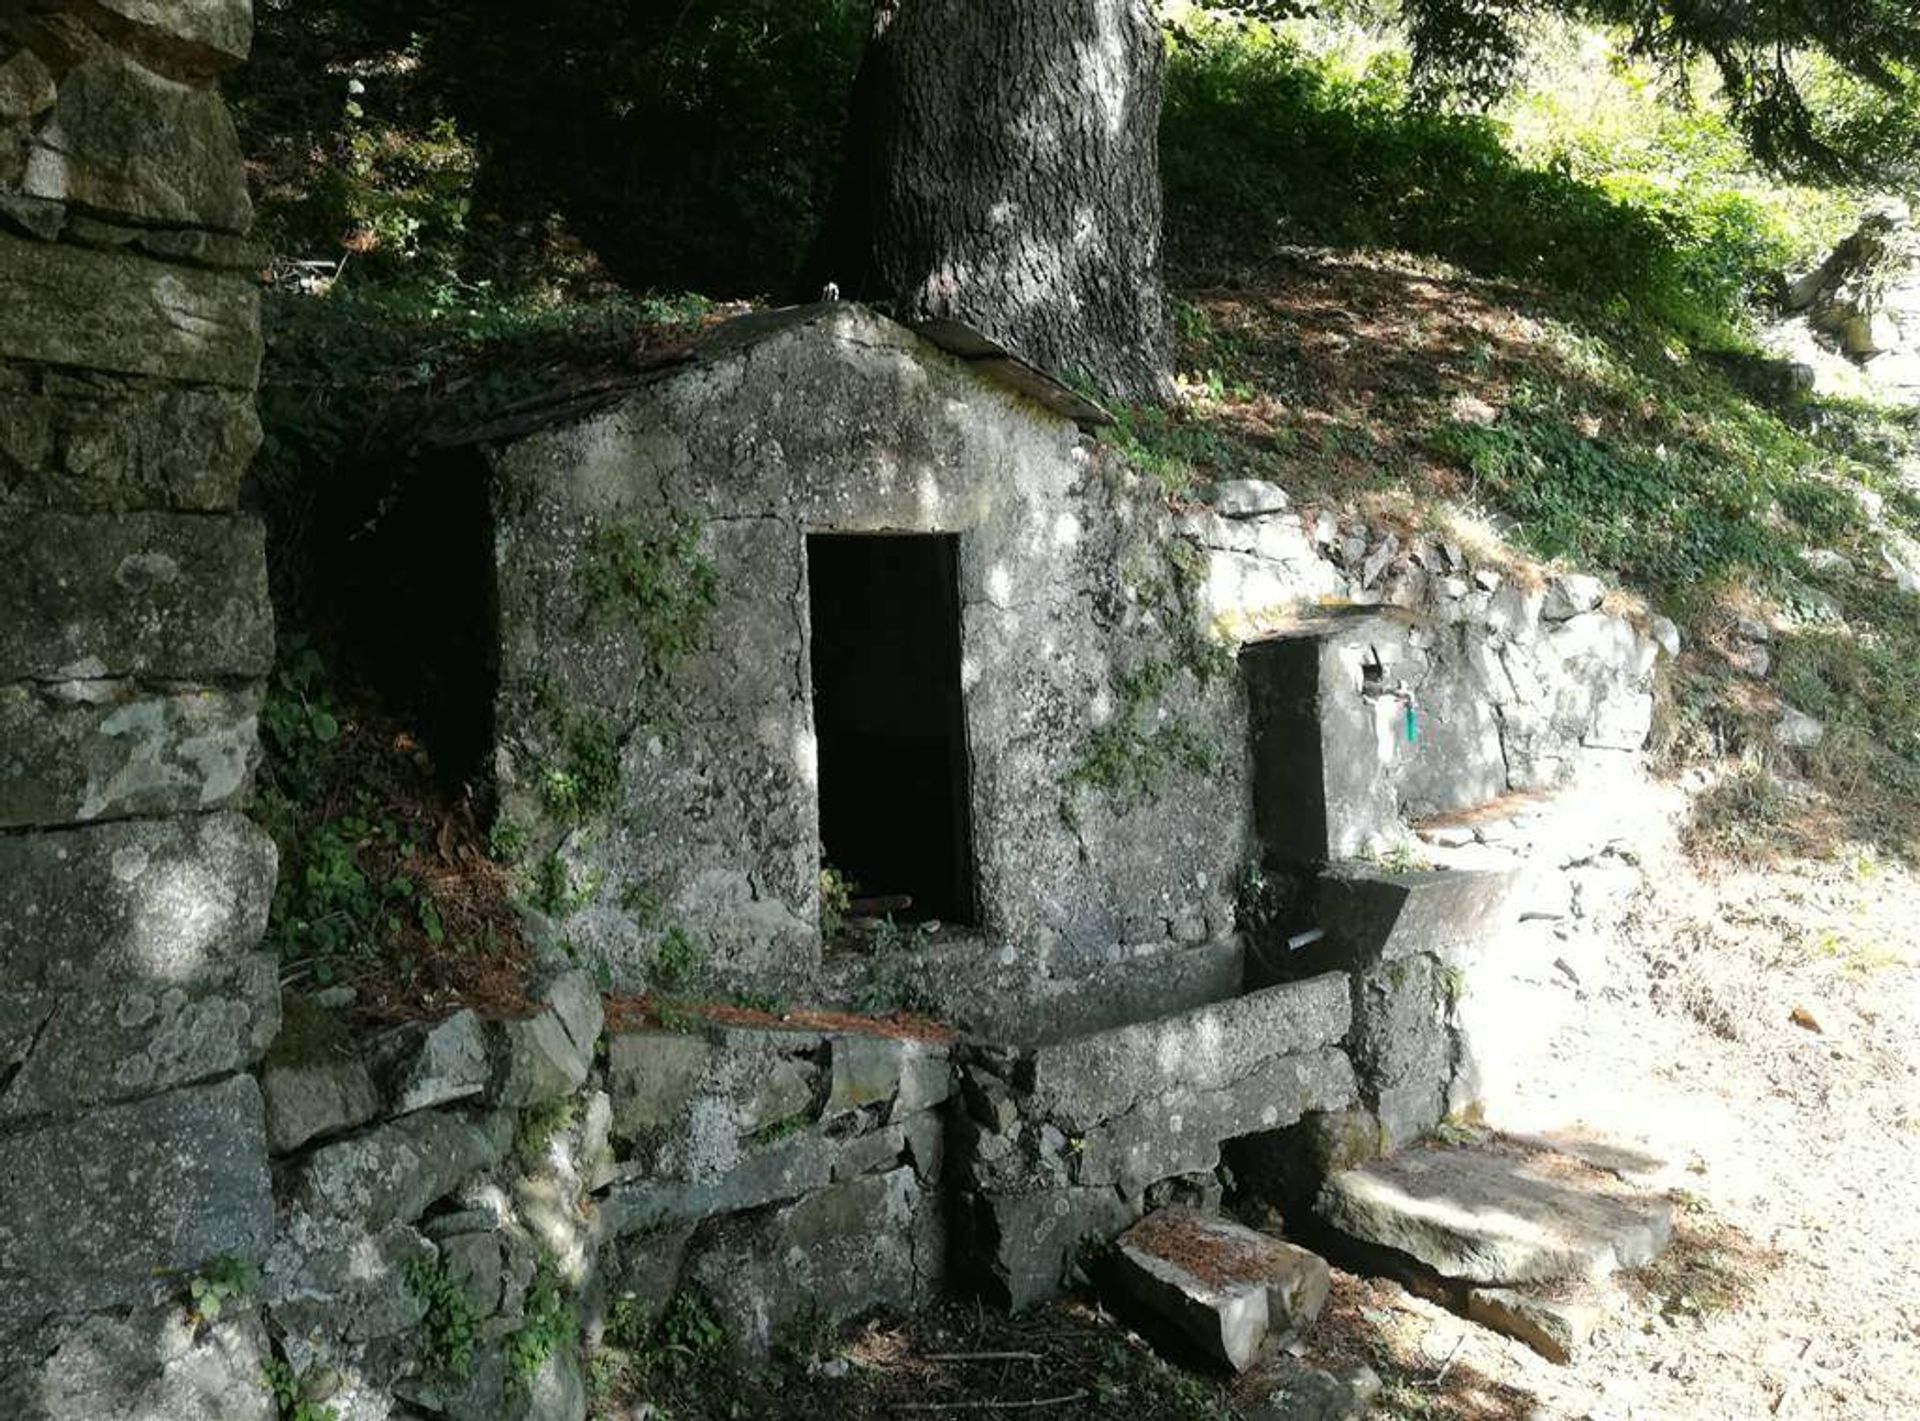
<point x="895" y="806"/>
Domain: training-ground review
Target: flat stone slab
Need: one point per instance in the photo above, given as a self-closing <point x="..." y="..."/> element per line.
<point x="1210" y="1287"/>
<point x="111" y="1209"/>
<point x="103" y="311"/>
<point x="141" y="1038"/>
<point x="1555" y="1322"/>
<point x="875" y="1242"/>
<point x="1094" y="1078"/>
<point x="1493" y="1216"/>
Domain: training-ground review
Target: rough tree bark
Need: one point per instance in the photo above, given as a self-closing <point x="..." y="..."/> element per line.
<point x="1003" y="170"/>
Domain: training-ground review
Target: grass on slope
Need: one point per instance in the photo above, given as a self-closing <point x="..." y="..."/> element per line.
<point x="1407" y="389"/>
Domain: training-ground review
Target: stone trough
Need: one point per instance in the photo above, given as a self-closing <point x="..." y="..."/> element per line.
<point x="1072" y="1141"/>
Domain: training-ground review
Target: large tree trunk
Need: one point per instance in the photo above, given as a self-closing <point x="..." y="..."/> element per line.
<point x="1003" y="170"/>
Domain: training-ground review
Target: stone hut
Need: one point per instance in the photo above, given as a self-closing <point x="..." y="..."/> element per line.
<point x="830" y="593"/>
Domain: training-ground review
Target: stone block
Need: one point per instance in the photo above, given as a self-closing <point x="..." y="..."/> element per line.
<point x="106" y="1211"/>
<point x="736" y="1175"/>
<point x="1080" y="1083"/>
<point x="210" y="33"/>
<point x="146" y="1365"/>
<point x="476" y="1265"/>
<point x="1554" y="1324"/>
<point x="868" y="1154"/>
<point x="1570" y="595"/>
<point x="1205" y="1287"/>
<point x="1020" y="1249"/>
<point x="906" y="1076"/>
<point x="84" y="441"/>
<point x="653" y="1077"/>
<point x="329" y="1284"/>
<point x="126" y="141"/>
<point x="1180" y="1132"/>
<point x="313" y="1080"/>
<point x="642" y="1271"/>
<point x="547" y="1056"/>
<point x="166" y="596"/>
<point x="162" y="901"/>
<point x="1371" y="915"/>
<point x="104" y="311"/>
<point x="872" y="1243"/>
<point x="1495" y="1216"/>
<point x="139" y="1038"/>
<point x="1289" y="1389"/>
<point x="423" y="1064"/>
<point x="26" y="86"/>
<point x="1403" y="1044"/>
<point x="393" y="1172"/>
<point x="556" y="1392"/>
<point x="86" y="750"/>
<point x="925" y="1136"/>
<point x="1246" y="498"/>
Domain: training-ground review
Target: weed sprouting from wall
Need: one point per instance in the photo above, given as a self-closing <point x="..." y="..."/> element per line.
<point x="1141" y="748"/>
<point x="657" y="587"/>
<point x="551" y="1324"/>
<point x="451" y="1328"/>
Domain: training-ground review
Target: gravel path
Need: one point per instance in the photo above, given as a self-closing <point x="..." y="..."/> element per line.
<point x="1759" y="1033"/>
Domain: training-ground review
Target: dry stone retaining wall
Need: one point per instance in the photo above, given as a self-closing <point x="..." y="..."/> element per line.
<point x="136" y="636"/>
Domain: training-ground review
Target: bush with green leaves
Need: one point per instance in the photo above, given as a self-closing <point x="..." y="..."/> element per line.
<point x="1264" y="142"/>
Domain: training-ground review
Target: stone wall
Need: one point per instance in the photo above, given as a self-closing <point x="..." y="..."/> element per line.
<point x="134" y="643"/>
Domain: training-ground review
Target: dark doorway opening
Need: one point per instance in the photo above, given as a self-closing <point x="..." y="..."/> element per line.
<point x="895" y="808"/>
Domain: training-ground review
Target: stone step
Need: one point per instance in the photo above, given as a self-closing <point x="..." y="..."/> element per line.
<point x="1203" y="1287"/>
<point x="1519" y="1239"/>
<point x="1495" y="1215"/>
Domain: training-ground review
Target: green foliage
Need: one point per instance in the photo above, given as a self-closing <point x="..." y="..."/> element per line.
<point x="688" y="1341"/>
<point x="1672" y="517"/>
<point x="803" y="1336"/>
<point x="836" y="898"/>
<point x="343" y="897"/>
<point x="1810" y="86"/>
<point x="1262" y="142"/>
<point x="539" y="1124"/>
<point x="451" y="1328"/>
<point x="775" y="1131"/>
<point x="896" y="970"/>
<point x="677" y="961"/>
<point x="292" y="1394"/>
<point x="224" y="1280"/>
<point x="361" y="364"/>
<point x="585" y="781"/>
<point x="551" y="1324"/>
<point x="1131" y="757"/>
<point x="1175" y="452"/>
<point x="656" y="585"/>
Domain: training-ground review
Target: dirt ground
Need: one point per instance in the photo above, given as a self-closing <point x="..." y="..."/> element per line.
<point x="1758" y="1031"/>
